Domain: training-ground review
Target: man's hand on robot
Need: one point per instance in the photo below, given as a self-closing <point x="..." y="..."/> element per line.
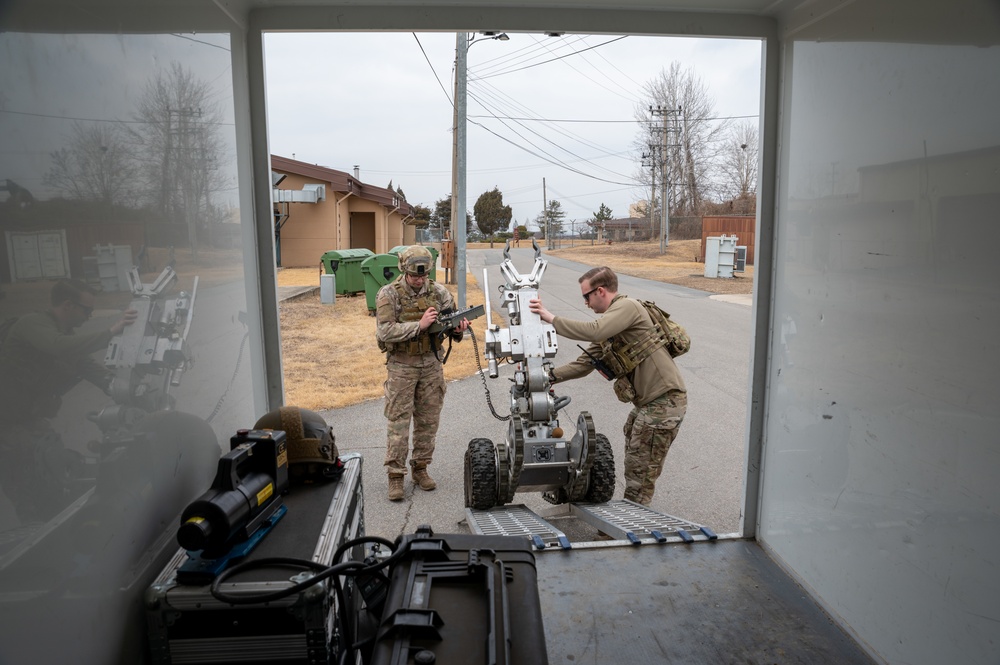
<point x="129" y="317"/>
<point x="535" y="305"/>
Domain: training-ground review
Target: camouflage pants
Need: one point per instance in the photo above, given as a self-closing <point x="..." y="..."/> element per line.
<point x="412" y="393"/>
<point x="649" y="431"/>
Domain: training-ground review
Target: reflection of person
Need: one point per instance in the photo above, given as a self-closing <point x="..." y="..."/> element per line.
<point x="414" y="389"/>
<point x="654" y="385"/>
<point x="41" y="359"/>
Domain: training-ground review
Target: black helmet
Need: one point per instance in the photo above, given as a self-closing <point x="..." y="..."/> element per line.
<point x="312" y="447"/>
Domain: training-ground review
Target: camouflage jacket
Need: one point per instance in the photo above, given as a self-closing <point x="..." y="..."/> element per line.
<point x="628" y="319"/>
<point x="397" y="314"/>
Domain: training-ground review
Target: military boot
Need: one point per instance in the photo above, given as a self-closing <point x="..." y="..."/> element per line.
<point x="395" y="488"/>
<point x="423" y="479"/>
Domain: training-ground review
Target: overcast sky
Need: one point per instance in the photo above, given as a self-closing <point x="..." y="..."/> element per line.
<point x="560" y="109"/>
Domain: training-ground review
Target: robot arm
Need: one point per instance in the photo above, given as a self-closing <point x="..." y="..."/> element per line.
<point x="154" y="348"/>
<point x="527" y="341"/>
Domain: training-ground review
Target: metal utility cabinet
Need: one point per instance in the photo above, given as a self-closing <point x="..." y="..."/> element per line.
<point x="720" y="256"/>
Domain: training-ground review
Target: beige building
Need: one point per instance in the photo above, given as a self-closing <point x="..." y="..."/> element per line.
<point x="318" y="209"/>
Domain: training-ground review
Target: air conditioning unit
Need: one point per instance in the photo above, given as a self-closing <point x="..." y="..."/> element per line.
<point x="741" y="258"/>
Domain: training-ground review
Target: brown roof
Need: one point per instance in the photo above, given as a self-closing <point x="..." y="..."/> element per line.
<point x="339" y="181"/>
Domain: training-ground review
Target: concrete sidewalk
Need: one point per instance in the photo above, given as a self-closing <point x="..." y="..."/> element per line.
<point x="736" y="298"/>
<point x="289" y="292"/>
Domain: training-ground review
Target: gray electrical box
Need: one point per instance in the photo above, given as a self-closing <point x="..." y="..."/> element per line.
<point x="328" y="289"/>
<point x="720" y="256"/>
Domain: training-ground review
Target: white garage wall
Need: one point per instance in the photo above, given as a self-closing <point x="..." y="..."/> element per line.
<point x="881" y="449"/>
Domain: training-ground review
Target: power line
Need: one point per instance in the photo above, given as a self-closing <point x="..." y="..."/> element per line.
<point x="123" y="122"/>
<point x="629" y="96"/>
<point x="433" y="71"/>
<point x="511" y="71"/>
<point x="554" y="160"/>
<point x="199" y="41"/>
<point x="537" y="119"/>
<point x="501" y="99"/>
<point x="520" y="57"/>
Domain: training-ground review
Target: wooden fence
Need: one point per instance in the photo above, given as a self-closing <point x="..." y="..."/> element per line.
<point x="743" y="227"/>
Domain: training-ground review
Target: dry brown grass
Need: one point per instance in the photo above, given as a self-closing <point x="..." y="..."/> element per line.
<point x="212" y="266"/>
<point x="643" y="259"/>
<point x="329" y="352"/>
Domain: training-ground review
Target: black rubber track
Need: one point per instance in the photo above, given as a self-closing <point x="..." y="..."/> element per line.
<point x="602" y="473"/>
<point x="480" y="475"/>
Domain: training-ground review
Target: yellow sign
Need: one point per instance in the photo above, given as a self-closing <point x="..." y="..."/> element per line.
<point x="265" y="493"/>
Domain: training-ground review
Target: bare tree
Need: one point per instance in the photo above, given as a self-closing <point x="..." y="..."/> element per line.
<point x="738" y="161"/>
<point x="95" y="166"/>
<point x="181" y="147"/>
<point x="692" y="136"/>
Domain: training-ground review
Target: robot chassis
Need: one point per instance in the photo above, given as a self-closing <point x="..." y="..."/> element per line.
<point x="533" y="456"/>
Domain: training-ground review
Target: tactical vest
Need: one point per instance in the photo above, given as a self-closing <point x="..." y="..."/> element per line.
<point x="412" y="309"/>
<point x="623" y="356"/>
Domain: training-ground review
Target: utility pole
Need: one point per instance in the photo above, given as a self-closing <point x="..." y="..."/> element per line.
<point x="649" y="159"/>
<point x="461" y="80"/>
<point x="458" y="207"/>
<point x="545" y="208"/>
<point x="667" y="116"/>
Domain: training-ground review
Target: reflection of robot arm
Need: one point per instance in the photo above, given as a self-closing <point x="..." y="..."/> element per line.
<point x="155" y="345"/>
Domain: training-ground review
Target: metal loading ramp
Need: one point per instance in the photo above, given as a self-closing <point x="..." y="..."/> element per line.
<point x="621" y="520"/>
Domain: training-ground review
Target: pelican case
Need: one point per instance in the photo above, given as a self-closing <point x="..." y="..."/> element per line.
<point x="462" y="598"/>
<point x="186" y="624"/>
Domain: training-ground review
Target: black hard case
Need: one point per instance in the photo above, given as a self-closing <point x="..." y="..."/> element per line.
<point x="186" y="624"/>
<point x="465" y="599"/>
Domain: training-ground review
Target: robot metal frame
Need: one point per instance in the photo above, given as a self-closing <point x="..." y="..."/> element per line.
<point x="533" y="455"/>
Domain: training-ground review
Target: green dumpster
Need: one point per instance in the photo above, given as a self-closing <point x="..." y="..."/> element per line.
<point x="434" y="256"/>
<point x="378" y="270"/>
<point x="346" y="265"/>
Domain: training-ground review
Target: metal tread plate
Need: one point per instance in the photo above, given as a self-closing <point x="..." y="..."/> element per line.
<point x="621" y="520"/>
<point x="626" y="520"/>
<point x="514" y="520"/>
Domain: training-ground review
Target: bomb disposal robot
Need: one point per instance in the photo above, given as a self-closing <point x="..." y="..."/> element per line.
<point x="533" y="456"/>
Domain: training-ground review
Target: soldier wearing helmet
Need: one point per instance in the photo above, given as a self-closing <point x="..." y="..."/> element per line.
<point x="414" y="388"/>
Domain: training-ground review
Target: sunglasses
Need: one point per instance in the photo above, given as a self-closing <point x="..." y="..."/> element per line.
<point x="586" y="296"/>
<point x="86" y="310"/>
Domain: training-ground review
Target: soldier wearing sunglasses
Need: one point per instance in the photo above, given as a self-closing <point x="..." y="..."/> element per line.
<point x="654" y="386"/>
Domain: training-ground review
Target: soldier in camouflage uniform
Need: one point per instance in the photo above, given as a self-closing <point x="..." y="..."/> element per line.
<point x="414" y="389"/>
<point x="654" y="386"/>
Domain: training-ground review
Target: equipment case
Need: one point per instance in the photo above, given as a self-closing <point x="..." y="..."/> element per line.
<point x="186" y="624"/>
<point x="461" y="598"/>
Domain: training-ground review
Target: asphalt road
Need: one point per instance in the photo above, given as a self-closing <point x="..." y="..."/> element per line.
<point x="703" y="477"/>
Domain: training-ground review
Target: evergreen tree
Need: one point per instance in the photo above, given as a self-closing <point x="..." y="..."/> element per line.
<point x="602" y="215"/>
<point x="491" y="214"/>
<point x="554" y="219"/>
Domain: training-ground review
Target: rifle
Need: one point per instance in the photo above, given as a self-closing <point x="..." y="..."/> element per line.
<point x="599" y="365"/>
